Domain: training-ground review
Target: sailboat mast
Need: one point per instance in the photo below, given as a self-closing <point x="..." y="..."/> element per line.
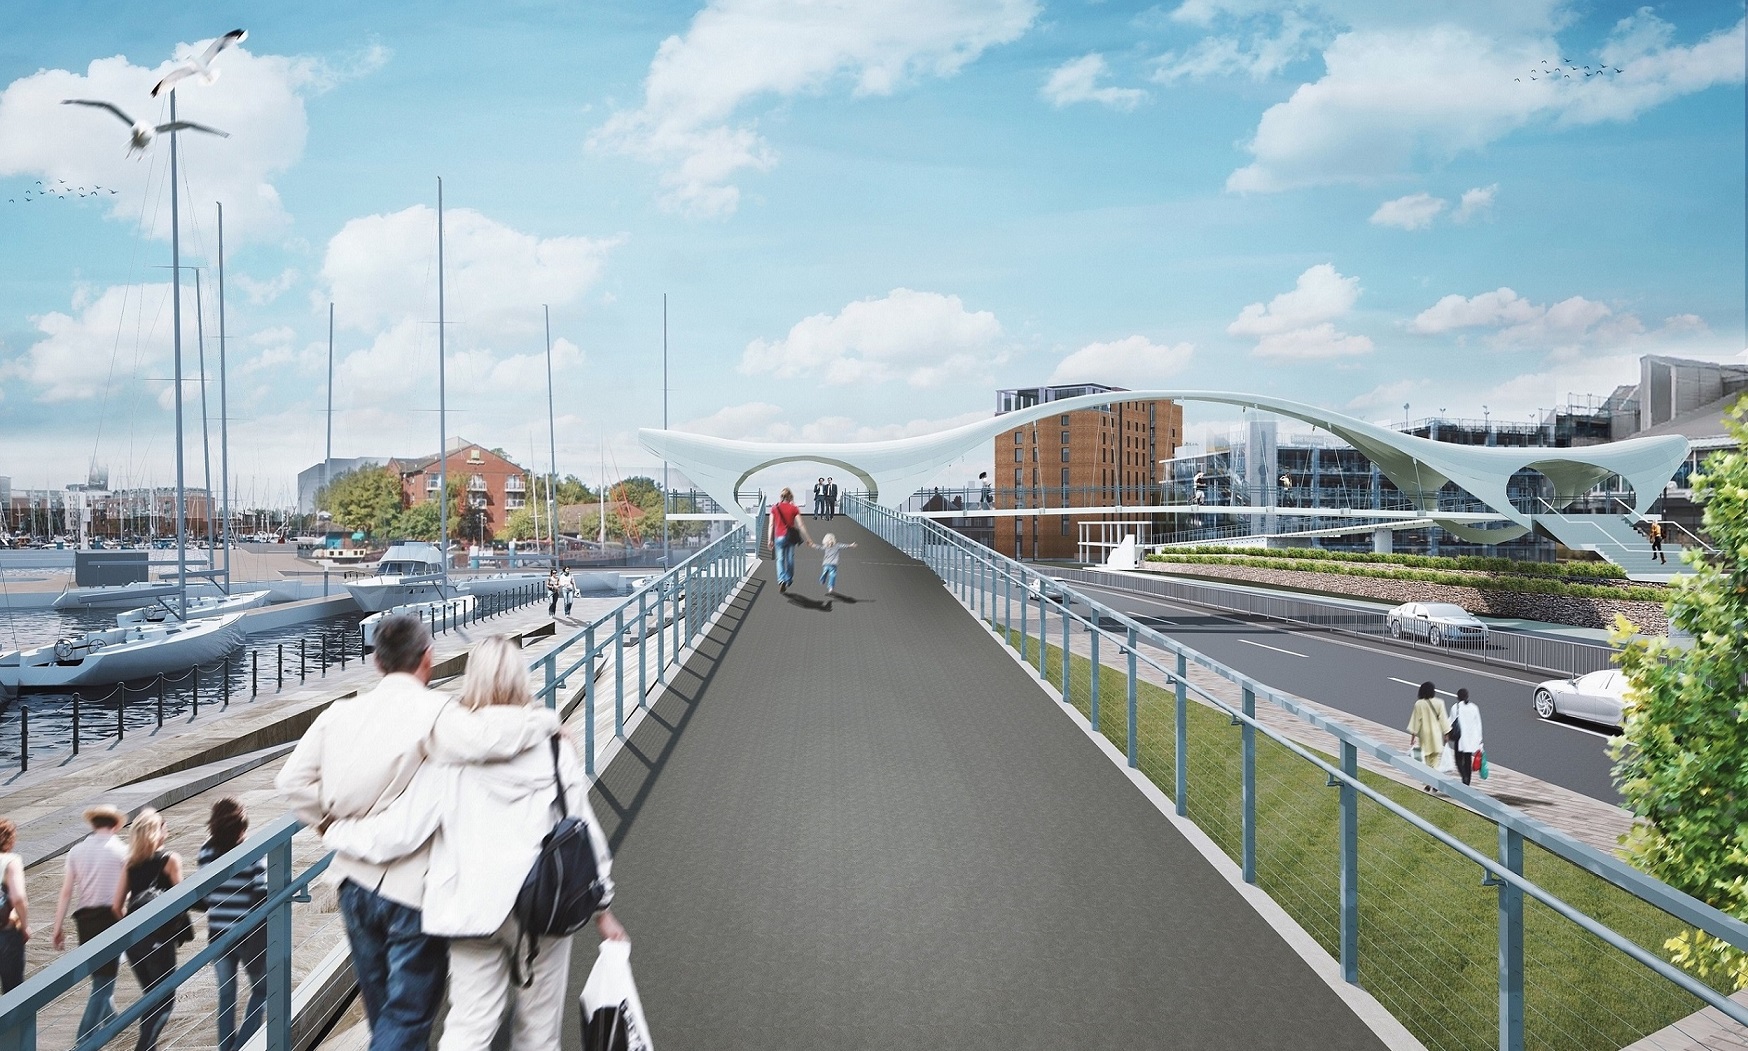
<point x="224" y="415"/>
<point x="328" y="454"/>
<point x="205" y="435"/>
<point x="176" y="330"/>
<point x="667" y="557"/>
<point x="552" y="440"/>
<point x="602" y="495"/>
<point x="442" y="403"/>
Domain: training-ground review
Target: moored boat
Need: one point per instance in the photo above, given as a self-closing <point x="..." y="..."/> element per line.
<point x="198" y="608"/>
<point x="118" y="654"/>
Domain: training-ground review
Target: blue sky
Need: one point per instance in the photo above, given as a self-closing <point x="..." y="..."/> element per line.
<point x="867" y="216"/>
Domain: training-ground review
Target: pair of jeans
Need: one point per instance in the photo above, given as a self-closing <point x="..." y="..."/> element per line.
<point x="251" y="954"/>
<point x="151" y="968"/>
<point x="786" y="557"/>
<point x="829" y="577"/>
<point x="11" y="959"/>
<point x="400" y="970"/>
<point x="100" y="1005"/>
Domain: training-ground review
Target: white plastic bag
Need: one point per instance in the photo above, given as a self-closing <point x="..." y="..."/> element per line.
<point x="1447" y="761"/>
<point x="612" y="1013"/>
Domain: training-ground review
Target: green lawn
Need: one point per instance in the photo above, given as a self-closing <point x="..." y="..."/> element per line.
<point x="1428" y="928"/>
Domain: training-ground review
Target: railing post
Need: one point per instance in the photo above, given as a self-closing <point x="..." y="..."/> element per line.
<point x="619" y="672"/>
<point x="1510" y="944"/>
<point x="23" y="738"/>
<point x="1247" y="734"/>
<point x="278" y="1022"/>
<point x="1134" y="734"/>
<point x="303" y="660"/>
<point x="121" y="709"/>
<point x="1093" y="704"/>
<point x="281" y="660"/>
<point x="194" y="674"/>
<point x="642" y="636"/>
<point x="661" y="634"/>
<point x="75" y="724"/>
<point x="1065" y="619"/>
<point x="589" y="700"/>
<point x="1350" y="867"/>
<point x="550" y="663"/>
<point x="1025" y="628"/>
<point x="1181" y="747"/>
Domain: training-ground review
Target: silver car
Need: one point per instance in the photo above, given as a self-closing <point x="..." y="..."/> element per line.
<point x="1439" y="623"/>
<point x="1598" y="697"/>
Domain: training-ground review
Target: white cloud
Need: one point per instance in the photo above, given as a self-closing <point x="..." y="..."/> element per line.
<point x="736" y="51"/>
<point x="922" y="338"/>
<point x="1413" y="212"/>
<point x="1476" y="202"/>
<point x="1389" y="395"/>
<point x="1260" y="55"/>
<point x="1299" y="325"/>
<point x="1489" y="309"/>
<point x="496" y="276"/>
<point x="260" y="293"/>
<point x="1135" y="362"/>
<point x="1565" y="327"/>
<point x="1077" y="80"/>
<point x="1394" y="96"/>
<point x="71" y="362"/>
<point x="258" y="101"/>
<point x="1320" y="294"/>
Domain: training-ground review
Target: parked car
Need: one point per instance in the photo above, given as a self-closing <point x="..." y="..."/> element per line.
<point x="1598" y="697"/>
<point x="1439" y="623"/>
<point x="1044" y="589"/>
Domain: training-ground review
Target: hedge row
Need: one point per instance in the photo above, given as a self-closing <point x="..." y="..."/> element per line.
<point x="1473" y="563"/>
<point x="1521" y="584"/>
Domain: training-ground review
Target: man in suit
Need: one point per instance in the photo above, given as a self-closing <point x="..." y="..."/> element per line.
<point x="819" y="498"/>
<point x="831" y="499"/>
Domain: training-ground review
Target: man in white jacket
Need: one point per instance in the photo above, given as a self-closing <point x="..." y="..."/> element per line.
<point x="355" y="760"/>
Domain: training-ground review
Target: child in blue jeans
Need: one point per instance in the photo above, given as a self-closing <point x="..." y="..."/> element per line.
<point x="828" y="570"/>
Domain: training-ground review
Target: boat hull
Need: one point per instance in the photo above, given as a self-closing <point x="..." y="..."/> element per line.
<point x="198" y="609"/>
<point x="454" y="610"/>
<point x="113" y="595"/>
<point x="137" y="652"/>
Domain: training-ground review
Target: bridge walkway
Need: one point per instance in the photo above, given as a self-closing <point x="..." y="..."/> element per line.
<point x="857" y="823"/>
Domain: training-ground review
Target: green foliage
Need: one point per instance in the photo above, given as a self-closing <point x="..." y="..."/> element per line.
<point x="1469" y="563"/>
<point x="1682" y="763"/>
<point x="1502" y="582"/>
<point x="570" y="489"/>
<point x="367" y="500"/>
<point x="419" y="522"/>
<point x="644" y="492"/>
<point x="520" y="524"/>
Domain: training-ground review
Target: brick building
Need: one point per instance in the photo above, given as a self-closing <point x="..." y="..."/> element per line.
<point x="1099" y="457"/>
<point x="492" y="485"/>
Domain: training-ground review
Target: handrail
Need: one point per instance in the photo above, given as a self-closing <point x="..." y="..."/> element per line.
<point x="1656" y="893"/>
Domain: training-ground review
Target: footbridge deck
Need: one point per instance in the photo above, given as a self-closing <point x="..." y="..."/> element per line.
<point x="859" y="822"/>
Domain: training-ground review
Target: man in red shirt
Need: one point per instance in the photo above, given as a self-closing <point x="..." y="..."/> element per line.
<point x="787" y="533"/>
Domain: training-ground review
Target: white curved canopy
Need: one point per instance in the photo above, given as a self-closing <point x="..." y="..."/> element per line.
<point x="895" y="468"/>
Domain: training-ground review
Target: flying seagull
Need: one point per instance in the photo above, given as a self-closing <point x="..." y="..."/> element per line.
<point x="144" y="133"/>
<point x="201" y="64"/>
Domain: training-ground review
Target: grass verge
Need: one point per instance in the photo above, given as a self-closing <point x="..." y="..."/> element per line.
<point x="1428" y="928"/>
<point x="1481" y="581"/>
<point x="1586" y="570"/>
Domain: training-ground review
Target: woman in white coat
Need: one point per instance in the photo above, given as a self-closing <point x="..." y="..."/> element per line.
<point x="1466" y="722"/>
<point x="488" y="821"/>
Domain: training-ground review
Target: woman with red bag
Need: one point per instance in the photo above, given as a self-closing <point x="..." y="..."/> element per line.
<point x="1466" y="722"/>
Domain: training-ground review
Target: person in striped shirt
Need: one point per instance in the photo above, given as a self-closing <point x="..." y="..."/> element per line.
<point x="227" y="905"/>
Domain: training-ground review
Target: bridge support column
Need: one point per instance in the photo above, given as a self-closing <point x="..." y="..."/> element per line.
<point x="1382" y="540"/>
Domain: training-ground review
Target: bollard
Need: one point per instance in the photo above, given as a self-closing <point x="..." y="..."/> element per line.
<point x="342" y="653"/>
<point x="195" y="673"/>
<point x="324" y="655"/>
<point x="254" y="673"/>
<point x="303" y="660"/>
<point x="121" y="710"/>
<point x="23" y="739"/>
<point x="160" y="705"/>
<point x="75" y="724"/>
<point x="281" y="662"/>
<point x="227" y="680"/>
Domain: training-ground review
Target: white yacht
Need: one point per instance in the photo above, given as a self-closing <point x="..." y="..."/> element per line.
<point x="119" y="654"/>
<point x="438" y="612"/>
<point x="409" y="571"/>
<point x="198" y="608"/>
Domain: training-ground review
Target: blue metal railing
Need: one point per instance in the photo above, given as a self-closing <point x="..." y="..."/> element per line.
<point x="990" y="585"/>
<point x="673" y="609"/>
<point x="20" y="1008"/>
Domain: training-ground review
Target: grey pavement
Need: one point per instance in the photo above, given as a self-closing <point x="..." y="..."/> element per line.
<point x="859" y="823"/>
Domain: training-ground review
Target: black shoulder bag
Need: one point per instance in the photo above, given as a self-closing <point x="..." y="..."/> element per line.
<point x="563" y="889"/>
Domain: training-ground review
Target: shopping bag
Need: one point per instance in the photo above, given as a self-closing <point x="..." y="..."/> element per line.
<point x="1483" y="758"/>
<point x="1447" y="762"/>
<point x="612" y="1013"/>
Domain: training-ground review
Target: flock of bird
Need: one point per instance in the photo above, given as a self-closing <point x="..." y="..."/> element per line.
<point x="1550" y="71"/>
<point x="61" y="189"/>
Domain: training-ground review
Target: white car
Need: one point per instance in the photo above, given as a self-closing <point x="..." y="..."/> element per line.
<point x="1044" y="589"/>
<point x="1598" y="697"/>
<point x="1439" y="623"/>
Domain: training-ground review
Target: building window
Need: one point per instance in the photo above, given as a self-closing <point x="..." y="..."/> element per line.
<point x="1019" y="477"/>
<point x="1065" y="525"/>
<point x="514" y="501"/>
<point x="430" y="483"/>
<point x="1064" y="437"/>
<point x="1065" y="422"/>
<point x="1065" y="478"/>
<point x="1019" y="436"/>
<point x="473" y="456"/>
<point x="476" y="483"/>
<point x="514" y="484"/>
<point x="1065" y="452"/>
<point x="1019" y="456"/>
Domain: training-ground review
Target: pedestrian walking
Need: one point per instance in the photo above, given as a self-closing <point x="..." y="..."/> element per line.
<point x="356" y="759"/>
<point x="231" y="903"/>
<point x="1427" y="726"/>
<point x="553" y="592"/>
<point x="1466" y="717"/>
<point x="829" y="549"/>
<point x="1657" y="542"/>
<point x="96" y="867"/>
<point x="787" y="533"/>
<point x="14" y="910"/>
<point x="985" y="491"/>
<point x="485" y="823"/>
<point x="831" y="499"/>
<point x="151" y="870"/>
<point x="569" y="588"/>
<point x="819" y="498"/>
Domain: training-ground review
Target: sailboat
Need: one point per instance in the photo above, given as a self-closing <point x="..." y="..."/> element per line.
<point x="138" y="650"/>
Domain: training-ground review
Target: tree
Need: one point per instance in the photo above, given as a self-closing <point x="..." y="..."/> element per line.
<point x="1682" y="763"/>
<point x="644" y="492"/>
<point x="571" y="490"/>
<point x="419" y="522"/>
<point x="520" y="524"/>
<point x="367" y="500"/>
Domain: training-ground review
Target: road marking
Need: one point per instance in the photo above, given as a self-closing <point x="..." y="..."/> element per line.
<point x="1580" y="729"/>
<point x="1277" y="649"/>
<point x="1405" y="682"/>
